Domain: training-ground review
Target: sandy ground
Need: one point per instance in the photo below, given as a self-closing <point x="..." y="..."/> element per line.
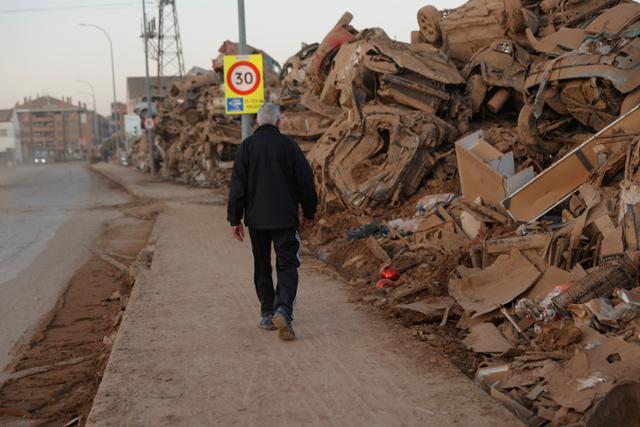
<point x="189" y="352"/>
<point x="48" y="218"/>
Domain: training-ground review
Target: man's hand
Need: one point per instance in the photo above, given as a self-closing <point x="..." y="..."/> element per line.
<point x="307" y="223"/>
<point x="238" y="232"/>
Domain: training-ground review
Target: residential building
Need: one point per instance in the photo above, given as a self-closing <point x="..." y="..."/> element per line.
<point x="57" y="126"/>
<point x="118" y="111"/>
<point x="104" y="128"/>
<point x="9" y="137"/>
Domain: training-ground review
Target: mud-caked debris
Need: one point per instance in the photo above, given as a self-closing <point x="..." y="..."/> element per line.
<point x="494" y="161"/>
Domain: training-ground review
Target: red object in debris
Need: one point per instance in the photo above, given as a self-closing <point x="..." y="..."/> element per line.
<point x="341" y="33"/>
<point x="390" y="272"/>
<point x="385" y="283"/>
<point x="557" y="289"/>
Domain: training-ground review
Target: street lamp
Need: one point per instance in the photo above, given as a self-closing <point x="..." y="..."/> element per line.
<point x="113" y="83"/>
<point x="96" y="131"/>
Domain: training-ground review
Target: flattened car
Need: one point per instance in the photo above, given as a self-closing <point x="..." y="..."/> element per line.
<point x="382" y="161"/>
<point x="584" y="89"/>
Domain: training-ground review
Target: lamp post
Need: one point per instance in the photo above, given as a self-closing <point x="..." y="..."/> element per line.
<point x="96" y="131"/>
<point x="113" y="83"/>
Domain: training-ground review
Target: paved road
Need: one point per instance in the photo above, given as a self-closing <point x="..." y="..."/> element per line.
<point x="48" y="218"/>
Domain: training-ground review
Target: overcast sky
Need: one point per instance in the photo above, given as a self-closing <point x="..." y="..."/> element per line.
<point x="44" y="51"/>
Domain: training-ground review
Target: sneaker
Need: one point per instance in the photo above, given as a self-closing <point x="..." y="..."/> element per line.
<point x="283" y="323"/>
<point x="266" y="323"/>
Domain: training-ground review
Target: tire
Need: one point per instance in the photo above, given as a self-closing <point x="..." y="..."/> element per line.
<point x="529" y="135"/>
<point x="429" y="23"/>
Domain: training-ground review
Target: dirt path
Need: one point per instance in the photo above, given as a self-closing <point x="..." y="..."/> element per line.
<point x="189" y="351"/>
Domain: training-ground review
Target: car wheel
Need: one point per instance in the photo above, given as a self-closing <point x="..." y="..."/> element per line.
<point x="530" y="136"/>
<point x="429" y="22"/>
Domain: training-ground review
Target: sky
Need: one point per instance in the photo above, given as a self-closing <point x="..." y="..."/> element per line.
<point x="43" y="50"/>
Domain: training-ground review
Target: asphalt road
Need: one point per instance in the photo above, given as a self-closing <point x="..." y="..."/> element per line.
<point x="49" y="216"/>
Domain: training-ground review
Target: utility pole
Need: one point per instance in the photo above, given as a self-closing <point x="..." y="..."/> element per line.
<point x="245" y="119"/>
<point x="146" y="34"/>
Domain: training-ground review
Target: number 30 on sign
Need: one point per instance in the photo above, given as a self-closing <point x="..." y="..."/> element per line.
<point x="244" y="84"/>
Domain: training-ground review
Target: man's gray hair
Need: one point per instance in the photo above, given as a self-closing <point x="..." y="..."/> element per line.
<point x="269" y="114"/>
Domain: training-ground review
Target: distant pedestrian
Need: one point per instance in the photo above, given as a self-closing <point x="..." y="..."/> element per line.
<point x="271" y="179"/>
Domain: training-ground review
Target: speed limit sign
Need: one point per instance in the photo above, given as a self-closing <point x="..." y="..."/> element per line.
<point x="149" y="123"/>
<point x="244" y="87"/>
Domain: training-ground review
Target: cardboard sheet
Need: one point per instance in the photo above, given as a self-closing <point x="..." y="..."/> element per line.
<point x="433" y="308"/>
<point x="486" y="338"/>
<point x="611" y="236"/>
<point x="484" y="291"/>
<point x="593" y="372"/>
<point x="486" y="172"/>
<point x="551" y="277"/>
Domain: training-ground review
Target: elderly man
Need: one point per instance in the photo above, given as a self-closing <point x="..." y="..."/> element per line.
<point x="271" y="178"/>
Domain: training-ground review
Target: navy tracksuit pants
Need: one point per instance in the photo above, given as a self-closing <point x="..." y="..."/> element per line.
<point x="286" y="243"/>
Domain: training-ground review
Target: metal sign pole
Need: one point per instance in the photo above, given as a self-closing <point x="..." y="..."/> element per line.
<point x="245" y="118"/>
<point x="148" y="82"/>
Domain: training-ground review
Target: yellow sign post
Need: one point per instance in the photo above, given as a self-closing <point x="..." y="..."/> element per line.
<point x="244" y="84"/>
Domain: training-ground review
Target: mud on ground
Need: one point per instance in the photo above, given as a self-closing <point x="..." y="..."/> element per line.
<point x="54" y="379"/>
<point x="354" y="262"/>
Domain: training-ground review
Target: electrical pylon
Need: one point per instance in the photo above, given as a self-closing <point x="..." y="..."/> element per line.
<point x="169" y="45"/>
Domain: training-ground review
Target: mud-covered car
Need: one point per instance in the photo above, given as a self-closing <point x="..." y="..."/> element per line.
<point x="475" y="25"/>
<point x="379" y="162"/>
<point x="463" y="31"/>
<point x="583" y="89"/>
<point x="294" y="73"/>
<point x="555" y="14"/>
<point x="372" y="67"/>
<point x="395" y="104"/>
<point x="495" y="76"/>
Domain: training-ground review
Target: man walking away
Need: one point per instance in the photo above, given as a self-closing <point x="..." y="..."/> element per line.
<point x="271" y="178"/>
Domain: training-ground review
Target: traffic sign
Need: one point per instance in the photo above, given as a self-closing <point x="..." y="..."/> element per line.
<point x="244" y="84"/>
<point x="149" y="123"/>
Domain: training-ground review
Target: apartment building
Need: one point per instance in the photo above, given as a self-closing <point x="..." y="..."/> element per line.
<point x="57" y="126"/>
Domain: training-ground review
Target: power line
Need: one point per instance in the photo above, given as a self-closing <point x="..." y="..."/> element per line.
<point x="102" y="6"/>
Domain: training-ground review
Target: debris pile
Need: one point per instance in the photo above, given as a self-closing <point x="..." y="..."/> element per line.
<point x="194" y="137"/>
<point x="520" y="124"/>
<point x="544" y="293"/>
<point x="377" y="115"/>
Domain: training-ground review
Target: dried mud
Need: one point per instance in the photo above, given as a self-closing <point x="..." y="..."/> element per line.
<point x="54" y="379"/>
